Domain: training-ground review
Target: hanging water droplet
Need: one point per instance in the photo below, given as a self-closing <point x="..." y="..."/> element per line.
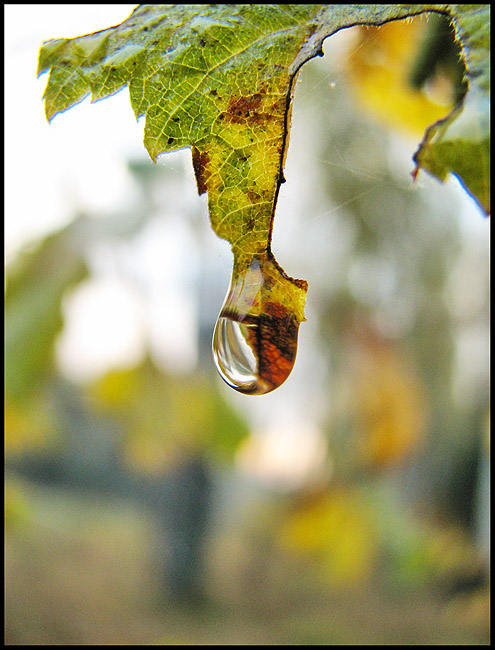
<point x="255" y="338"/>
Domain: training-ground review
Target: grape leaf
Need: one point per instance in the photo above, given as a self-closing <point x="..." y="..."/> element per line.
<point x="220" y="79"/>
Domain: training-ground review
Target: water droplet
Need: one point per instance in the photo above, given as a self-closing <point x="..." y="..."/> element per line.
<point x="255" y="338"/>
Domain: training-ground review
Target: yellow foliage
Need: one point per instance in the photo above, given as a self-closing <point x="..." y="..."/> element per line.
<point x="336" y="531"/>
<point x="138" y="397"/>
<point x="159" y="418"/>
<point x="379" y="66"/>
<point x="389" y="408"/>
<point x="451" y="550"/>
<point x="17" y="506"/>
<point x="116" y="387"/>
<point x="29" y="426"/>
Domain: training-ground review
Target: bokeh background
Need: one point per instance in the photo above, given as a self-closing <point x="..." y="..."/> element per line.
<point x="146" y="501"/>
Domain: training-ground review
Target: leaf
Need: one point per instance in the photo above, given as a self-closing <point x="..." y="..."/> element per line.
<point x="387" y="73"/>
<point x="460" y="143"/>
<point x="35" y="286"/>
<point x="455" y="143"/>
<point x="220" y="79"/>
<point x="388" y="407"/>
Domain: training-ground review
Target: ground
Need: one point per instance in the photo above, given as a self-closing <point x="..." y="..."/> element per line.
<point x="80" y="572"/>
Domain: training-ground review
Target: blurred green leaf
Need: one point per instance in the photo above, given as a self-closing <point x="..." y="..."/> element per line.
<point x="36" y="284"/>
<point x="164" y="414"/>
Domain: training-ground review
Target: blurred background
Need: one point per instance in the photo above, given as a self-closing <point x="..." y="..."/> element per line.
<point x="146" y="501"/>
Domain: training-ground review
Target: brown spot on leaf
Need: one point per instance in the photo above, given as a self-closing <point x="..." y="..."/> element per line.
<point x="275" y="309"/>
<point x="253" y="196"/>
<point x="200" y="161"/>
<point x="243" y="110"/>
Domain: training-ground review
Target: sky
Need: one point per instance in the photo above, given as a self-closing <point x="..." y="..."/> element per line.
<point x="48" y="166"/>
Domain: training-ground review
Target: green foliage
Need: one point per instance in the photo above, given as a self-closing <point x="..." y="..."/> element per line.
<point x="36" y="284"/>
<point x="220" y="79"/>
<point x="161" y="414"/>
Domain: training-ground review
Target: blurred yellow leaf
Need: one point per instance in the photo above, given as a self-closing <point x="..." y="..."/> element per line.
<point x="29" y="426"/>
<point x="336" y="530"/>
<point x="451" y="550"/>
<point x="17" y="505"/>
<point x="388" y="406"/>
<point x="116" y="387"/>
<point x="380" y="65"/>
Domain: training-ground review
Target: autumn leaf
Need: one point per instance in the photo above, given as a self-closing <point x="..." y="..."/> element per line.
<point x="336" y="530"/>
<point x="220" y="80"/>
<point x="388" y="71"/>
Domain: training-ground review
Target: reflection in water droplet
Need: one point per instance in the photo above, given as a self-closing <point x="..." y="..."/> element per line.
<point x="234" y="357"/>
<point x="255" y="339"/>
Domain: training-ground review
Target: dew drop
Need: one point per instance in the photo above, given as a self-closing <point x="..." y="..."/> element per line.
<point x="255" y="338"/>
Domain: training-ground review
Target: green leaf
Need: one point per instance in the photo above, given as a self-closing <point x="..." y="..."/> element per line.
<point x="460" y="143"/>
